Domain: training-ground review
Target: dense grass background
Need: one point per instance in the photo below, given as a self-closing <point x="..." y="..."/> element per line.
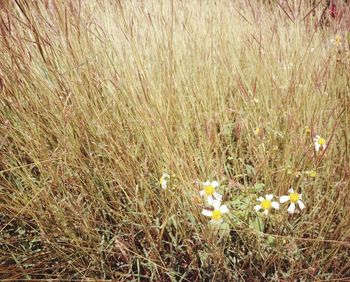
<point x="100" y="98"/>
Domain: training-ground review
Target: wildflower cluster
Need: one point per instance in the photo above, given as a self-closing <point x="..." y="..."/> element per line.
<point x="214" y="200"/>
<point x="215" y="209"/>
<point x="266" y="204"/>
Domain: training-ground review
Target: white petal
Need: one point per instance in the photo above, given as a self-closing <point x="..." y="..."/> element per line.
<point x="206" y="183"/>
<point x="260" y="199"/>
<point x="291" y="208"/>
<point x="164" y="185"/>
<point x="301" y="204"/>
<point x="223" y="209"/>
<point x="219" y="221"/>
<point x="317" y="147"/>
<point x="257" y="208"/>
<point x="269" y="197"/>
<point x="215" y="184"/>
<point x="210" y="200"/>
<point x="300" y="195"/>
<point x="275" y="205"/>
<point x="217" y="196"/>
<point x="216" y="204"/>
<point x="266" y="212"/>
<point x="207" y="213"/>
<point x="284" y="199"/>
<point x="291" y="190"/>
<point x="202" y="192"/>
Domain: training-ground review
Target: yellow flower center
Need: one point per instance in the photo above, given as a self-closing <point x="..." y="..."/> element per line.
<point x="266" y="204"/>
<point x="294" y="197"/>
<point x="321" y="141"/>
<point x="338" y="39"/>
<point x="209" y="190"/>
<point x="216" y="215"/>
<point x="312" y="173"/>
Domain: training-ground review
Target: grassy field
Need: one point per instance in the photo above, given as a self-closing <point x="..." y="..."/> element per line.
<point x="100" y="99"/>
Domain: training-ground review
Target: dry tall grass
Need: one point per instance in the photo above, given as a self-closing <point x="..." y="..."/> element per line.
<point x="99" y="98"/>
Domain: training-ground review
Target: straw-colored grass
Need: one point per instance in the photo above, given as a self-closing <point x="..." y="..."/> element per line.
<point x="100" y="98"/>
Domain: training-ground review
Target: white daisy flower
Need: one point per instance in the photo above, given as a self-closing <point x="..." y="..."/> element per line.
<point x="163" y="181"/>
<point x="216" y="214"/>
<point x="337" y="40"/>
<point x="210" y="191"/>
<point x="293" y="197"/>
<point x="266" y="204"/>
<point x="320" y="143"/>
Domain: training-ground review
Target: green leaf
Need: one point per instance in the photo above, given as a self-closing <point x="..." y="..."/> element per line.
<point x="256" y="224"/>
<point x="224" y="229"/>
<point x="259" y="187"/>
<point x="191" y="218"/>
<point x="250" y="170"/>
<point x="271" y="240"/>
